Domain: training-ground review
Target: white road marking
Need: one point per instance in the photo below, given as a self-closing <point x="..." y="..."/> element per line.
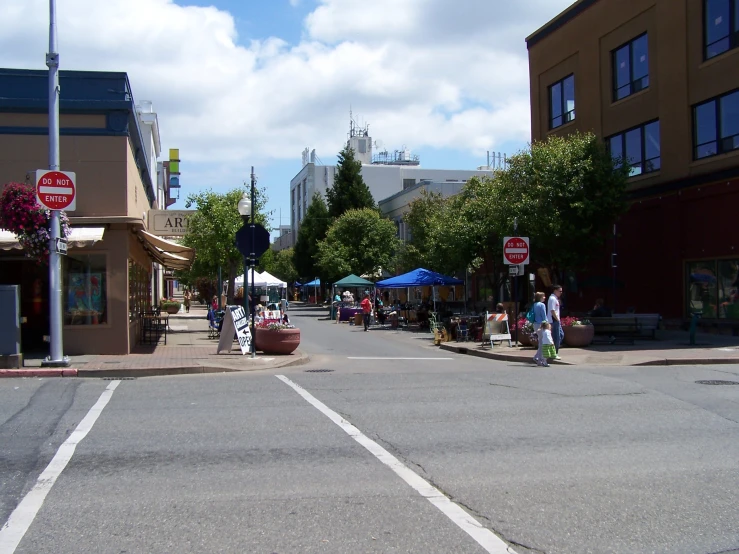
<point x="20" y="520"/>
<point x="391" y="358"/>
<point x="483" y="536"/>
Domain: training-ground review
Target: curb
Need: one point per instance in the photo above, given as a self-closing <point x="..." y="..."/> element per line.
<point x="61" y="372"/>
<point x="494" y="355"/>
<point x="656" y="362"/>
<point x="127" y="373"/>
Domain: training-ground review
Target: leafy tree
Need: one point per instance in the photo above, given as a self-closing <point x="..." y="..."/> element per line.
<point x="358" y="242"/>
<point x="212" y="231"/>
<point x="349" y="190"/>
<point x="279" y="264"/>
<point x="566" y="192"/>
<point x="312" y="230"/>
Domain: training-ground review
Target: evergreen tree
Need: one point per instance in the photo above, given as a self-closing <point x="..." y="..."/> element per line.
<point x="349" y="191"/>
<point x="312" y="230"/>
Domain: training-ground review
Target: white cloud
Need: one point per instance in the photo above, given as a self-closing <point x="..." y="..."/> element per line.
<point x="422" y="73"/>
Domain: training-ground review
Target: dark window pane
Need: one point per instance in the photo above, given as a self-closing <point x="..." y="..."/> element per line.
<point x="622" y="70"/>
<point x="729" y="110"/>
<point x="633" y="150"/>
<point x="705" y="150"/>
<point x="728" y="288"/>
<point x="556" y="122"/>
<point x="568" y="92"/>
<point x="639" y="58"/>
<point x="616" y="147"/>
<point x="705" y="123"/>
<point x="717" y="27"/>
<point x="702" y="288"/>
<point x="555" y="100"/>
<point x="652" y="140"/>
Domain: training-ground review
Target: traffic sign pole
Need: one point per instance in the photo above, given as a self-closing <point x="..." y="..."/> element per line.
<point x="56" y="357"/>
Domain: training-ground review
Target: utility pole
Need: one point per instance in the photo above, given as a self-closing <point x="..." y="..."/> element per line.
<point x="56" y="357"/>
<point x="253" y="260"/>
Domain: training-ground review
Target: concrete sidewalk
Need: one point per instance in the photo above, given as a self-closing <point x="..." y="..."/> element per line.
<point x="670" y="348"/>
<point x="188" y="350"/>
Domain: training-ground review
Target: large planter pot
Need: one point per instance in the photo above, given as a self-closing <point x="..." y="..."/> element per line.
<point x="284" y="341"/>
<point x="172" y="309"/>
<point x="525" y="339"/>
<point x="578" y="335"/>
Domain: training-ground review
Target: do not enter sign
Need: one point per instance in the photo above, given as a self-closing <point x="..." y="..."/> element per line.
<point x="515" y="250"/>
<point x="55" y="190"/>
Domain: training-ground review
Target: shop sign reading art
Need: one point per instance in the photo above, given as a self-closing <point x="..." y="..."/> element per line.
<point x="169" y="223"/>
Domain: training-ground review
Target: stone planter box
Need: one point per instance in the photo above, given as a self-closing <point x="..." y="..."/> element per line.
<point x="578" y="335"/>
<point x="284" y="341"/>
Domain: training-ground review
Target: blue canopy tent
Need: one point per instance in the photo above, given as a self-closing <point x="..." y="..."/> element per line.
<point x="419" y="278"/>
<point x="314" y="283"/>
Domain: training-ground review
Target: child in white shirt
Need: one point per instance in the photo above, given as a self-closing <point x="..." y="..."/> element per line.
<point x="547" y="344"/>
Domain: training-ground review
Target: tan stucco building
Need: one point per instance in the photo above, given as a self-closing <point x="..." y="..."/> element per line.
<point x="108" y="274"/>
<point x="658" y="81"/>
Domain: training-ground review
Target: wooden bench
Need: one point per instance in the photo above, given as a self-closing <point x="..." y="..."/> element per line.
<point x="624" y="328"/>
<point x="647" y="323"/>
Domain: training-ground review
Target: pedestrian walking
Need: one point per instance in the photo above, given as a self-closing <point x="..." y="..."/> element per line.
<point x="187" y="296"/>
<point x="540" y="316"/>
<point x="366" y="311"/>
<point x="553" y="318"/>
<point x="546" y="344"/>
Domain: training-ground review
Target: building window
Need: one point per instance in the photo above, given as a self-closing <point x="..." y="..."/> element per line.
<point x="562" y="102"/>
<point x="716" y="126"/>
<point x="638" y="147"/>
<point x="630" y="68"/>
<point x="721" y="19"/>
<point x="407" y="183"/>
<point x="713" y="288"/>
<point x="85" y="289"/>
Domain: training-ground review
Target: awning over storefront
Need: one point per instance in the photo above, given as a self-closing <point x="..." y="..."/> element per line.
<point x="79" y="237"/>
<point x="167" y="253"/>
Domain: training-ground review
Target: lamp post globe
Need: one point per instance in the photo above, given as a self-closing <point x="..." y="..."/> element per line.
<point x="245" y="205"/>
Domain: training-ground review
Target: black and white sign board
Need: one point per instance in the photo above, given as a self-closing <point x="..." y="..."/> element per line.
<point x="61" y="246"/>
<point x="235" y="322"/>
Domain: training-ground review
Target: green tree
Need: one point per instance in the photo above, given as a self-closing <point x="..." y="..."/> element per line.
<point x="566" y="193"/>
<point x="312" y="230"/>
<point x="358" y="242"/>
<point x="349" y="190"/>
<point x="212" y="230"/>
<point x="283" y="266"/>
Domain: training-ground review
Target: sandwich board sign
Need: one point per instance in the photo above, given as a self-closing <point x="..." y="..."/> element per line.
<point x="235" y="322"/>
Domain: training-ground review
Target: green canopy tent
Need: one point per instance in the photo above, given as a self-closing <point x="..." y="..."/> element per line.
<point x="350" y="281"/>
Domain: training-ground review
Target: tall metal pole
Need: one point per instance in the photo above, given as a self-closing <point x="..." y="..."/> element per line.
<point x="56" y="357"/>
<point x="253" y="262"/>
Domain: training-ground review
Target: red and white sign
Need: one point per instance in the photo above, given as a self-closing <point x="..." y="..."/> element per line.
<point x="515" y="250"/>
<point x="56" y="190"/>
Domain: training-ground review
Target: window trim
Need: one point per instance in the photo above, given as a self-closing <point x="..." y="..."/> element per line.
<point x="564" y="113"/>
<point x="614" y="69"/>
<point x="718" y="139"/>
<point x="733" y="35"/>
<point x="643" y="150"/>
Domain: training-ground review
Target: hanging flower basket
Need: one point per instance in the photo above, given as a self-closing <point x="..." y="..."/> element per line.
<point x="21" y="215"/>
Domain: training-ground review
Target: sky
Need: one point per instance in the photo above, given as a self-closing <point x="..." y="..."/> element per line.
<point x="241" y="83"/>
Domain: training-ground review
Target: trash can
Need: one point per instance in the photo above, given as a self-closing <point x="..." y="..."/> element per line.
<point x="358" y="319"/>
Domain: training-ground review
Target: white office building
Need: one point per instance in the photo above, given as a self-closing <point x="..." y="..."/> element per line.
<point x="385" y="174"/>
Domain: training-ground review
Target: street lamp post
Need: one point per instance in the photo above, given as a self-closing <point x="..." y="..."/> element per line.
<point x="246" y="210"/>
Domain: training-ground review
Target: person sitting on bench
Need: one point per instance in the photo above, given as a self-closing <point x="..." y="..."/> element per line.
<point x="599" y="310"/>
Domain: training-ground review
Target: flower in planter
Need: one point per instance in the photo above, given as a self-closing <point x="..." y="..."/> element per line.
<point x="20" y="214"/>
<point x="272" y="326"/>
<point x="574" y="321"/>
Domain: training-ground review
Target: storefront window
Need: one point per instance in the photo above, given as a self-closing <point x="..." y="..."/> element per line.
<point x="139" y="290"/>
<point x="713" y="288"/>
<point x="85" y="289"/>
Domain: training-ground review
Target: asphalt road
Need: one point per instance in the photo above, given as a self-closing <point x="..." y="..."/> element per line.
<point x="555" y="460"/>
